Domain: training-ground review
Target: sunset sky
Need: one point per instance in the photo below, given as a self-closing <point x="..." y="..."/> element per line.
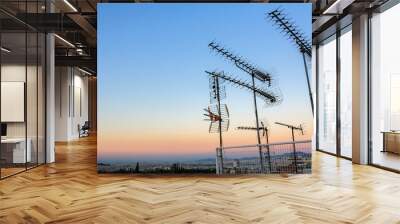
<point x="153" y="88"/>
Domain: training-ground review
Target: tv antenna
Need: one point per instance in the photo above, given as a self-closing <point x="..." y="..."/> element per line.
<point x="218" y="115"/>
<point x="268" y="96"/>
<point x="262" y="127"/>
<point x="299" y="128"/>
<point x="265" y="133"/>
<point x="255" y="73"/>
<point x="240" y="63"/>
<point x="218" y="122"/>
<point x="293" y="128"/>
<point x="289" y="28"/>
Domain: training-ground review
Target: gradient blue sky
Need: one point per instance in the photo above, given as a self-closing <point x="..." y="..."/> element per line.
<point x="152" y="85"/>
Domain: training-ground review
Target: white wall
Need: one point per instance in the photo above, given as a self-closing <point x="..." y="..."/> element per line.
<point x="71" y="93"/>
<point x="81" y="94"/>
<point x="33" y="127"/>
<point x="62" y="82"/>
<point x="12" y="73"/>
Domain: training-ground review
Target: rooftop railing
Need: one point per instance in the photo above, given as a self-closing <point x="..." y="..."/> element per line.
<point x="281" y="157"/>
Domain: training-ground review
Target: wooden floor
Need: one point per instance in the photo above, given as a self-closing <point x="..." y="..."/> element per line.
<point x="5" y="172"/>
<point x="70" y="191"/>
<point x="386" y="159"/>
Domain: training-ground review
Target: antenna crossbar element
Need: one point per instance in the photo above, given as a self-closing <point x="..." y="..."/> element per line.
<point x="241" y="63"/>
<point x="269" y="97"/>
<point x="248" y="128"/>
<point x="298" y="128"/>
<point x="261" y="127"/>
<point x="291" y="30"/>
<point x="264" y="129"/>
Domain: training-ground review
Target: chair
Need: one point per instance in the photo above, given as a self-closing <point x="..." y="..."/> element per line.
<point x="84" y="129"/>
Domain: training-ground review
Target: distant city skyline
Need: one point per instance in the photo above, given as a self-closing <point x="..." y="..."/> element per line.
<point x="152" y="109"/>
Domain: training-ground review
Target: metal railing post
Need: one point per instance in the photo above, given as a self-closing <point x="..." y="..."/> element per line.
<point x="268" y="153"/>
<point x="219" y="162"/>
<point x="294" y="151"/>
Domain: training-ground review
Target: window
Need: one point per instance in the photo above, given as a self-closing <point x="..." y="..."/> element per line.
<point x="385" y="89"/>
<point x="22" y="88"/>
<point x="346" y="92"/>
<point x="327" y="95"/>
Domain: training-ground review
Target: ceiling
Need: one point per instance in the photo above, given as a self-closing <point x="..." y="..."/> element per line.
<point x="331" y="15"/>
<point x="75" y="22"/>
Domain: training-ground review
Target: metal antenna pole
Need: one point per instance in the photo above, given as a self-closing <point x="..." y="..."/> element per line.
<point x="308" y="81"/>
<point x="268" y="152"/>
<point x="220" y="165"/>
<point x="257" y="126"/>
<point x="294" y="150"/>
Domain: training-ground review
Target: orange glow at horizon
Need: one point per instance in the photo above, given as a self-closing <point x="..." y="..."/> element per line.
<point x="181" y="144"/>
